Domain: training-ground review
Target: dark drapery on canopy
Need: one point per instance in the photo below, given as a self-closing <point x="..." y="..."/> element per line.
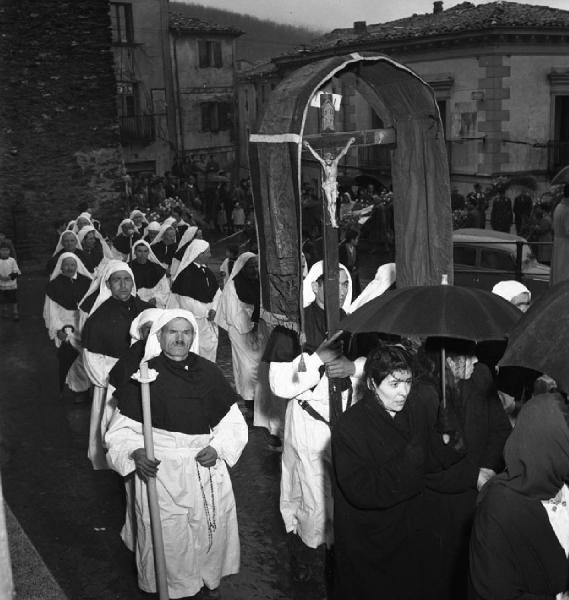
<point x="423" y="223"/>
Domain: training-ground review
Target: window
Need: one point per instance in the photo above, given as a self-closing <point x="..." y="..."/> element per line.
<point x="121" y="22"/>
<point x="498" y="260"/>
<point x="209" y="54"/>
<point x="216" y="116"/>
<point x="561" y="141"/>
<point x="464" y="255"/>
<point x="126" y="98"/>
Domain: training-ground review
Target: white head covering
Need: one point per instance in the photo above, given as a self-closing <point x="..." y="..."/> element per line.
<point x="104" y="292"/>
<point x="191" y="253"/>
<point x="146" y="316"/>
<point x="107" y="252"/>
<point x="59" y="245"/>
<point x="70" y="225"/>
<point x="228" y="312"/>
<point x="167" y="223"/>
<point x="83" y="215"/>
<point x="125" y="222"/>
<point x="151" y="256"/>
<point x="509" y="289"/>
<point x="81" y="268"/>
<point x="152" y="226"/>
<point x="137" y="213"/>
<point x="152" y="347"/>
<point x="383" y="280"/>
<point x="316" y="270"/>
<point x="188" y="236"/>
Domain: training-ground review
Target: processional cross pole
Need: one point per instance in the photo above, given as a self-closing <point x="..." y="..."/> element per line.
<point x="334" y="146"/>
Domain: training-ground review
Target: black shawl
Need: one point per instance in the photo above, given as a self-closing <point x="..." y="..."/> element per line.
<point x="195" y="282"/>
<point x="107" y="330"/>
<point x="189" y="396"/>
<point x="68" y="292"/>
<point x="164" y="253"/>
<point x="123" y="243"/>
<point x="94" y="256"/>
<point x="147" y="275"/>
<point x="249" y="292"/>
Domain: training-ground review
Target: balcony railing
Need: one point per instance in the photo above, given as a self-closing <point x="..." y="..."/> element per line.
<point x="137" y="129"/>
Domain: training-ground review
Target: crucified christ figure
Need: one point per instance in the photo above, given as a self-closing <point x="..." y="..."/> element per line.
<point x="330" y="167"/>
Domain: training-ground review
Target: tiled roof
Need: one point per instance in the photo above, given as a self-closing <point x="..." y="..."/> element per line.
<point x="459" y="19"/>
<point x="258" y="69"/>
<point x="179" y="22"/>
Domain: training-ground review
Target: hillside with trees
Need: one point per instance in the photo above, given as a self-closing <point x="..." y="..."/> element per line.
<point x="262" y="39"/>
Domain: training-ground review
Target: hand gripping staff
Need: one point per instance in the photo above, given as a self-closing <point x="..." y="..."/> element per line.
<point x="145" y="379"/>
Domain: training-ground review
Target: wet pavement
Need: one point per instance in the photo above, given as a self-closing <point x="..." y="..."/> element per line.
<point x="73" y="514"/>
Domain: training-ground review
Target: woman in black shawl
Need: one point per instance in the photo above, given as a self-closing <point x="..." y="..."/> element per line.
<point x="520" y="538"/>
<point x="68" y="284"/>
<point x="382" y="448"/>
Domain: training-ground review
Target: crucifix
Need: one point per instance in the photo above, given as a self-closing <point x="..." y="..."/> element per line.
<point x="334" y="146"/>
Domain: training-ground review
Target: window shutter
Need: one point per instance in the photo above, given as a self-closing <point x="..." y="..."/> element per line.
<point x="206" y="116"/>
<point x="203" y="54"/>
<point x="217" y="59"/>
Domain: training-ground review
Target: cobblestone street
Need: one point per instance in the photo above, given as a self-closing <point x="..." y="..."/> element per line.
<point x="73" y="514"/>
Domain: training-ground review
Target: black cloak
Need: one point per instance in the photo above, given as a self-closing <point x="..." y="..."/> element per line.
<point x="189" y="396"/>
<point x="147" y="275"/>
<point x="195" y="282"/>
<point x="249" y="292"/>
<point x="164" y="253"/>
<point x="124" y="243"/>
<point x="514" y="551"/>
<point x="107" y="330"/>
<point x="68" y="292"/>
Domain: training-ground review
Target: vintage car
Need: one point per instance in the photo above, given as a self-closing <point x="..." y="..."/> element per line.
<point x="483" y="257"/>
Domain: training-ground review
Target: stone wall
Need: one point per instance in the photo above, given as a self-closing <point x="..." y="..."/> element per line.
<point x="59" y="136"/>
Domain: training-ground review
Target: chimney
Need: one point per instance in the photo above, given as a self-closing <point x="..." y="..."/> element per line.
<point x="360" y="27"/>
<point x="437" y="7"/>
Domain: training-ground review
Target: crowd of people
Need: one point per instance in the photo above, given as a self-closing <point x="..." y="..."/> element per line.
<point x="387" y="500"/>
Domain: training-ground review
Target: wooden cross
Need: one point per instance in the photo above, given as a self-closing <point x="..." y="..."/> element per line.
<point x="333" y="146"/>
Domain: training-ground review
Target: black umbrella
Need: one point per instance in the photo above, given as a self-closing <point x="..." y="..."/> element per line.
<point x="539" y="340"/>
<point x="436" y="311"/>
<point x="561" y="177"/>
<point x="439" y="311"/>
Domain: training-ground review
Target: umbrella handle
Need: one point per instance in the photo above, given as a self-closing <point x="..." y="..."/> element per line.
<point x="446" y="436"/>
<point x="155" y="522"/>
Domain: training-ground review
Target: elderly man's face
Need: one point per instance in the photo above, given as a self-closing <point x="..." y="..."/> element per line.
<point x="68" y="242"/>
<point x="176" y="338"/>
<point x="120" y="283"/>
<point x="68" y="267"/>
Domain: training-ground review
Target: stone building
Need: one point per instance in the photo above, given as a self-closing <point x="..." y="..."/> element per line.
<point x="176" y="85"/>
<point x="500" y="72"/>
<point x="59" y="142"/>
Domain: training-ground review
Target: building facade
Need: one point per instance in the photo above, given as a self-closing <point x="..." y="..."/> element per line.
<point x="500" y="73"/>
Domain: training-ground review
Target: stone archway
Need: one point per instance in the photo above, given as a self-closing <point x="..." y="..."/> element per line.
<point x="423" y="223"/>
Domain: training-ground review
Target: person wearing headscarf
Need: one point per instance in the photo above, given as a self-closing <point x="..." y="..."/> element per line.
<point x="68" y="242"/>
<point x="187" y="238"/>
<point x="96" y="250"/>
<point x="476" y="413"/>
<point x="299" y="373"/>
<point x="238" y="314"/>
<point x="384" y="280"/>
<point x="514" y="292"/>
<point x="149" y="275"/>
<point x="68" y="283"/>
<point x="124" y="239"/>
<point x="151" y="231"/>
<point x="195" y="288"/>
<point x="165" y="243"/>
<point x="197" y="431"/>
<point x="83" y="220"/>
<point x="520" y="539"/>
<point x="139" y="219"/>
<point x="106" y="336"/>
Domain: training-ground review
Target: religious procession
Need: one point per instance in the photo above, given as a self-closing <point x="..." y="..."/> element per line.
<point x="324" y="362"/>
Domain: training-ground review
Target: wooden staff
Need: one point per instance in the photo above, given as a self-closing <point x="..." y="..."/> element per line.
<point x="155" y="522"/>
